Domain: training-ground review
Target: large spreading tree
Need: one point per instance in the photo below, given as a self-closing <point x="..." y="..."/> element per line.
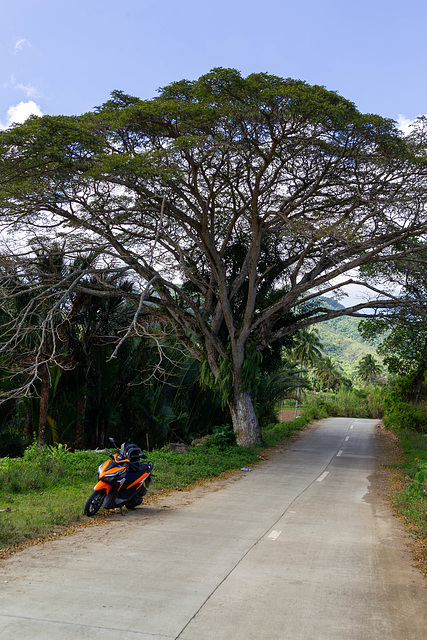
<point x="231" y="203"/>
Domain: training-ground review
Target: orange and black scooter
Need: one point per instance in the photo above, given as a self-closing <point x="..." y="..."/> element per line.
<point x="123" y="480"/>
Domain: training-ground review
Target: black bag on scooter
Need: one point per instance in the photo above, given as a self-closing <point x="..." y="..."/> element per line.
<point x="132" y="452"/>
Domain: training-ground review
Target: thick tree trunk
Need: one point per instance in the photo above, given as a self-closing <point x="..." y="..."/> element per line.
<point x="245" y="423"/>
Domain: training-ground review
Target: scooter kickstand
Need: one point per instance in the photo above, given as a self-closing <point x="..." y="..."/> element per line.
<point x="121" y="510"/>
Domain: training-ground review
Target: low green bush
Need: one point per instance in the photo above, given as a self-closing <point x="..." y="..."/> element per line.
<point x="316" y="411"/>
<point x="418" y="486"/>
<point x="83" y="465"/>
<point x="403" y="415"/>
<point x="221" y="437"/>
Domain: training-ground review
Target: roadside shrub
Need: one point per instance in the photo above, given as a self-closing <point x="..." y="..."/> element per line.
<point x="221" y="437"/>
<point x="402" y="415"/>
<point x="405" y="388"/>
<point x="375" y="399"/>
<point x="317" y="410"/>
<point x="35" y="452"/>
<point x="366" y="403"/>
<point x="418" y="487"/>
<point x="351" y="403"/>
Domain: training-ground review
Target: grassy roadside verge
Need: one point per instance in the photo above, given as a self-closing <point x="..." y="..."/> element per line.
<point x="409" y="497"/>
<point x="42" y="494"/>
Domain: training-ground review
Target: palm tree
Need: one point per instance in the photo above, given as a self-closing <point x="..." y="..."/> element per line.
<point x="308" y="348"/>
<point x="329" y="374"/>
<point x="275" y="386"/>
<point x="307" y="351"/>
<point x="369" y="369"/>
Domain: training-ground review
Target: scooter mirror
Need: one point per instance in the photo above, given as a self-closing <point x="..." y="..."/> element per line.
<point x="112" y="441"/>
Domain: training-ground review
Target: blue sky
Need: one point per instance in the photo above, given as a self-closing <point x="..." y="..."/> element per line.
<point x="66" y="57"/>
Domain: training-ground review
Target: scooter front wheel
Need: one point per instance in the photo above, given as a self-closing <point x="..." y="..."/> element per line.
<point x="94" y="502"/>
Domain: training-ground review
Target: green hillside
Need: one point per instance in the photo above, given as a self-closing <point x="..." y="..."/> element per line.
<point x="342" y="341"/>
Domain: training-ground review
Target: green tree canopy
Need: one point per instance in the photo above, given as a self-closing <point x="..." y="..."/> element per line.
<point x="231" y="203"/>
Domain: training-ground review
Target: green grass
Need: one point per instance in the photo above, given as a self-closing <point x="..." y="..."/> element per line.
<point x="278" y="432"/>
<point x="175" y="471"/>
<point x="411" y="503"/>
<point x="414" y="446"/>
<point x="45" y="491"/>
<point x="35" y="514"/>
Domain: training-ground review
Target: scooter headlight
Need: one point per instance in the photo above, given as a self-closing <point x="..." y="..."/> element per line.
<point x="109" y="476"/>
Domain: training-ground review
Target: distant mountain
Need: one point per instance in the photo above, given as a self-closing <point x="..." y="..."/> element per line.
<point x="342" y="341"/>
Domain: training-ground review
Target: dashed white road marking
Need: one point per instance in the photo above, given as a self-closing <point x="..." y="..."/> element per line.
<point x="339" y="453"/>
<point x="322" y="477"/>
<point x="274" y="535"/>
<point x="347" y="438"/>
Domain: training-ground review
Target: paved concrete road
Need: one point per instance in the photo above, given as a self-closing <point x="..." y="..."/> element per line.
<point x="297" y="549"/>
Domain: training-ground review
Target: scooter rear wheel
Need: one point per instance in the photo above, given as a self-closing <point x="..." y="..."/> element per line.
<point x="94" y="502"/>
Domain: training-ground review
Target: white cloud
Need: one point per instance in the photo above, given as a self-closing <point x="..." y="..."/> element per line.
<point x="20" y="112"/>
<point x="29" y="90"/>
<point x="21" y="44"/>
<point x="404" y="124"/>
